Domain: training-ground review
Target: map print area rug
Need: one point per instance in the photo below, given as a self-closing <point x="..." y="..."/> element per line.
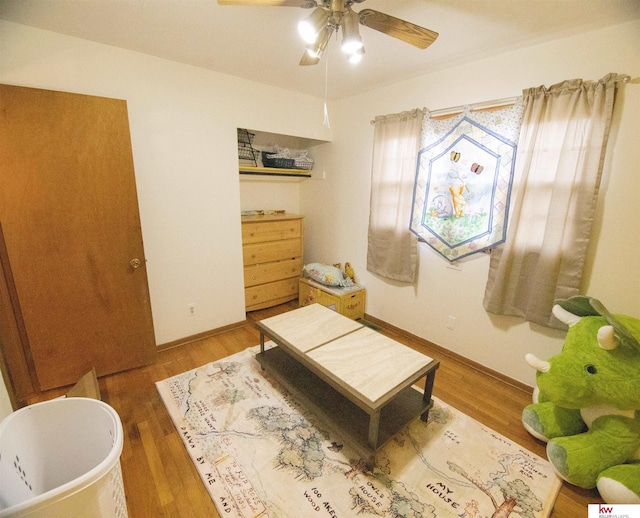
<point x="260" y="453"/>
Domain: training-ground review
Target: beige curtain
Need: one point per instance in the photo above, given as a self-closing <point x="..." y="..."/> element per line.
<point x="561" y="151"/>
<point x="392" y="249"/>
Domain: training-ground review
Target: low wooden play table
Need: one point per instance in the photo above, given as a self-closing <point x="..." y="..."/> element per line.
<point x="353" y="377"/>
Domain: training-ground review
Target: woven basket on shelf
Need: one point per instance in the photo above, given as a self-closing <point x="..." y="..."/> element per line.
<point x="269" y="160"/>
<point x="303" y="163"/>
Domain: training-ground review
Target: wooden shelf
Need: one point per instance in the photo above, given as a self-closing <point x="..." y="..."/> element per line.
<point x="272" y="171"/>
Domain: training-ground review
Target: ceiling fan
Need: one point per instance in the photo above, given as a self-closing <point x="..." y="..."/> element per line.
<point x="328" y="16"/>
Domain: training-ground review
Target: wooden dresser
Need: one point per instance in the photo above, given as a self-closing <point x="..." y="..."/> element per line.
<point x="272" y="248"/>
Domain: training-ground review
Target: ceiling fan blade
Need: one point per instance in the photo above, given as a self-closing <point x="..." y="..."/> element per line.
<point x="308" y="60"/>
<point x="397" y="28"/>
<point x="277" y="3"/>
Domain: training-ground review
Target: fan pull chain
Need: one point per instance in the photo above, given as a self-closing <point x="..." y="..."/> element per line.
<point x="326" y="81"/>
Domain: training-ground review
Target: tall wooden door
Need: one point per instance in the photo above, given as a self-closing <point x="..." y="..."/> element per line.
<point x="72" y="235"/>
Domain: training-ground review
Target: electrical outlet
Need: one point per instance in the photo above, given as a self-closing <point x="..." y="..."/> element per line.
<point x="451" y="323"/>
<point x="191" y="308"/>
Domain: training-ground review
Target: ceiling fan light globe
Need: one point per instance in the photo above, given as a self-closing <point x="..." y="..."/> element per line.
<point x="351" y="40"/>
<point x="310" y="28"/>
<point x="314" y="52"/>
<point x="355" y="57"/>
<point x="306" y="32"/>
<point x="316" y="49"/>
<point x="352" y="44"/>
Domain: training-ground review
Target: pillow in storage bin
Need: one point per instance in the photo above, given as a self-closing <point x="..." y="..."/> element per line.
<point x="327" y="275"/>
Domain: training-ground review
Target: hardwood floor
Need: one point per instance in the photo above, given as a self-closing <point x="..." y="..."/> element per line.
<point x="160" y="479"/>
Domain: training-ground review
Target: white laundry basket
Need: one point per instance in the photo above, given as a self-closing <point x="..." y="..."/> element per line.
<point x="61" y="458"/>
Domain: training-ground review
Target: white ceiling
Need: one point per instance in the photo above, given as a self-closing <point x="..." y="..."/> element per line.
<point x="261" y="43"/>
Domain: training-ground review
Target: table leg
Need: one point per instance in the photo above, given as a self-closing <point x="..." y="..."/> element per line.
<point x="370" y="462"/>
<point x="261" y="346"/>
<point x="428" y="388"/>
<point x="374" y="427"/>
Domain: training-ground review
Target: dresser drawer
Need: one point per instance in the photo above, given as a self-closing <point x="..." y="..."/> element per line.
<point x="272" y="251"/>
<point x="271" y="231"/>
<point x="269" y="272"/>
<point x="270" y="294"/>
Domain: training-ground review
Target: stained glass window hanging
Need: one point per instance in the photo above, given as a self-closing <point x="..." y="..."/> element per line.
<point x="464" y="177"/>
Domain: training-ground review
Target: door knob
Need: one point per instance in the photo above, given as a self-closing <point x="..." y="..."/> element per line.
<point x="135" y="263"/>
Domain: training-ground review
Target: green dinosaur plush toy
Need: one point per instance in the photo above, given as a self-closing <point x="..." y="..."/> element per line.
<point x="587" y="401"/>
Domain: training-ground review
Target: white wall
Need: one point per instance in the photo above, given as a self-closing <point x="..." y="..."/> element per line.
<point x="183" y="124"/>
<point x="497" y="342"/>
